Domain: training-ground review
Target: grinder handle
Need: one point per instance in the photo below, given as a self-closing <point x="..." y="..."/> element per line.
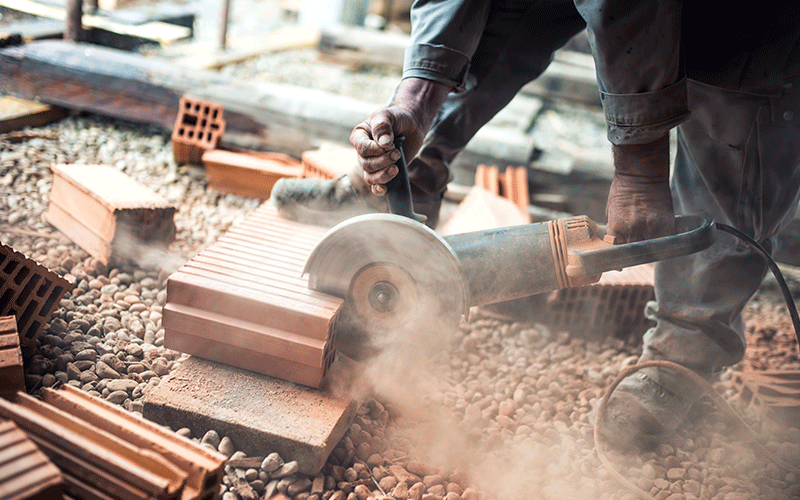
<point x="398" y="189"/>
<point x="694" y="233"/>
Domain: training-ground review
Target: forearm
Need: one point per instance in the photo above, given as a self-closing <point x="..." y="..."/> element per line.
<point x="649" y="162"/>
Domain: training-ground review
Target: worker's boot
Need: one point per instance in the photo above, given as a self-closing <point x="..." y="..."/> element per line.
<point x="328" y="202"/>
<point x="646" y="408"/>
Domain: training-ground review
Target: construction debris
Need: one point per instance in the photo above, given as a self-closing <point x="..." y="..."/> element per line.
<point x="199" y="126"/>
<point x="28" y="291"/>
<point x="12" y="378"/>
<point x="244" y="302"/>
<point x="248" y="174"/>
<point x="256" y="412"/>
<point x="25" y="472"/>
<point x="108" y="214"/>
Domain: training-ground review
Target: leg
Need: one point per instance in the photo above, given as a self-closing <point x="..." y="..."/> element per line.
<point x="516" y="47"/>
<point x="739" y="167"/>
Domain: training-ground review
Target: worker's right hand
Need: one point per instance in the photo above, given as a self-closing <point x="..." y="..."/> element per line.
<point x="640" y="200"/>
<point x="410" y="114"/>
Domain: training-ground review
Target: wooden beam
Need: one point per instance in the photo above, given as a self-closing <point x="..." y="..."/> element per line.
<point x="161" y="32"/>
<point x="20" y="113"/>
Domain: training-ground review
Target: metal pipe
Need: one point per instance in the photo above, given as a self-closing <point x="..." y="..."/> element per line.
<point x="73" y="29"/>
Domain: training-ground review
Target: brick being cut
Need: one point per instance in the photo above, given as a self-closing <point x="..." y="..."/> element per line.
<point x="108" y="214"/>
<point x="244" y="302"/>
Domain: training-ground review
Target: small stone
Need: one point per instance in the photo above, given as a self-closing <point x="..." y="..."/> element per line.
<point x="226" y="447"/>
<point x="122" y="384"/>
<point x="286" y="469"/>
<point x="676" y="473"/>
<point x="105" y="371"/>
<point x="117" y="397"/>
<point x="185" y="432"/>
<point x="272" y="462"/>
<point x="212" y="438"/>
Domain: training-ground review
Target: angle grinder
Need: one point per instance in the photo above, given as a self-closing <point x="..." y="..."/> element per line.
<point x="402" y="282"/>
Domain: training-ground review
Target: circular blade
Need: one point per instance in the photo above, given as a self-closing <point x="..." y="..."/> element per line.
<point x="400" y="280"/>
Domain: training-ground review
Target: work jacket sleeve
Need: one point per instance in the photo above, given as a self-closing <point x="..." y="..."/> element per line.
<point x="444" y="36"/>
<point x="636" y="47"/>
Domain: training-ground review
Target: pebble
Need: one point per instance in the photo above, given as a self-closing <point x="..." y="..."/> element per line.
<point x="272" y="462"/>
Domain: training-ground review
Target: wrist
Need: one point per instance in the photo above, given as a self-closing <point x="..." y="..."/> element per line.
<point x="647" y="162"/>
<point x="423" y="98"/>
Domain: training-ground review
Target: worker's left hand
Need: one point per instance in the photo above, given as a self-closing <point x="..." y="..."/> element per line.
<point x="640" y="200"/>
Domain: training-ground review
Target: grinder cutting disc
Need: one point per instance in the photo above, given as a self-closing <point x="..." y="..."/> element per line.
<point x="400" y="279"/>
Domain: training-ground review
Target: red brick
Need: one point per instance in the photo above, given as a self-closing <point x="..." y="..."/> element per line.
<point x="330" y="161"/>
<point x="93" y="456"/>
<point x="25" y="472"/>
<point x="204" y="467"/>
<point x="108" y="214"/>
<point x="482" y="210"/>
<point x="28" y="291"/>
<point x="244" y="302"/>
<point x="12" y="378"/>
<point x="247" y="174"/>
<point x="199" y="126"/>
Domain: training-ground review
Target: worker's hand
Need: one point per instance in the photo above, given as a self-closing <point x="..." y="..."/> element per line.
<point x="640" y="201"/>
<point x="410" y="114"/>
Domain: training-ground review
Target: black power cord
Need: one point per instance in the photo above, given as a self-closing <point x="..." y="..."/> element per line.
<point x="757" y="248"/>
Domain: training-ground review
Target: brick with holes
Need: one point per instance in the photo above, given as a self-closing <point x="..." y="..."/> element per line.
<point x="198" y="128"/>
<point x="29" y="292"/>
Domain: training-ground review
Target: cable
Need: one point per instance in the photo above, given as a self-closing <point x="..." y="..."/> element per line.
<point x="757" y="248"/>
<point x="697" y="379"/>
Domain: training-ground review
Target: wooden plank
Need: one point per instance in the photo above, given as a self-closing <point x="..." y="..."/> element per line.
<point x="18" y="113"/>
<point x="243" y="48"/>
<point x="164" y="33"/>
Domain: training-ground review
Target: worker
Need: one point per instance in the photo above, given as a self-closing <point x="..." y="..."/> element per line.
<point x="727" y="78"/>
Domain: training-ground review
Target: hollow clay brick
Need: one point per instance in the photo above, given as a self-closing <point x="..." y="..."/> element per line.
<point x="12" y="378"/>
<point x="108" y="214"/>
<point x="25" y="472"/>
<point x="771" y="394"/>
<point x="244" y="302"/>
<point x="77" y="446"/>
<point x="247" y="175"/>
<point x="614" y="306"/>
<point x="199" y="126"/>
<point x="329" y="161"/>
<point x="29" y="292"/>
<point x="204" y="467"/>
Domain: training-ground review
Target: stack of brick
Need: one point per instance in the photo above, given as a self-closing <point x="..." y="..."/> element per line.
<point x="12" y="378"/>
<point x="25" y="472"/>
<point x="244" y="302"/>
<point x="104" y="452"/>
<point x="28" y="291"/>
<point x="108" y="214"/>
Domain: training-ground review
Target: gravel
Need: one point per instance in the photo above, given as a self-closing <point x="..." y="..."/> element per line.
<point x="501" y="413"/>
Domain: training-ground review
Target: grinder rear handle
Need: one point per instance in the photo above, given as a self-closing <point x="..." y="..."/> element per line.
<point x="596" y="256"/>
